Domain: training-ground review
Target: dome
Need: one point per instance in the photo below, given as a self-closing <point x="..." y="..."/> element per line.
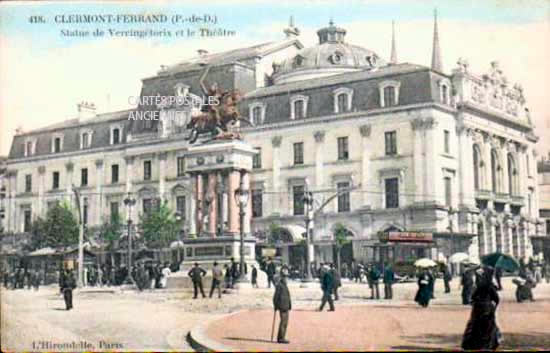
<point x="331" y="56"/>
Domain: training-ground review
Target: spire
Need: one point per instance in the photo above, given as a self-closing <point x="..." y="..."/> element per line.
<point x="393" y="58"/>
<point x="436" y="54"/>
<point x="291" y="30"/>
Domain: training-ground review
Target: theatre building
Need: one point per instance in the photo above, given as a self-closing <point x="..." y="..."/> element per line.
<point x="384" y="146"/>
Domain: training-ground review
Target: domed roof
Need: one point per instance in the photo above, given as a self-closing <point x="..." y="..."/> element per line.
<point x="330" y="57"/>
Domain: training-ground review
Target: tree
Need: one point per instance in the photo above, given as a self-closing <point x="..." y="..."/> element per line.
<point x="111" y="232"/>
<point x="58" y="229"/>
<point x="341" y="234"/>
<point x="159" y="227"/>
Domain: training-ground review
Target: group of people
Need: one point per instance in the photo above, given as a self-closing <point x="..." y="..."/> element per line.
<point x="226" y="277"/>
<point x="21" y="278"/>
<point x="151" y="276"/>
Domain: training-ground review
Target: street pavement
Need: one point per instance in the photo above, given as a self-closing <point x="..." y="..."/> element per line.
<point x="160" y="320"/>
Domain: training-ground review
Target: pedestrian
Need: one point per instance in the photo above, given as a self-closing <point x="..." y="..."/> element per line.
<point x="28" y="281"/>
<point x="283" y="304"/>
<point x="164" y="274"/>
<point x="227" y="277"/>
<point x="327" y="285"/>
<point x="424" y="293"/>
<point x="197" y="273"/>
<point x="254" y="277"/>
<point x="336" y="279"/>
<point x="344" y="273"/>
<point x="99" y="276"/>
<point x="217" y="277"/>
<point x="431" y="274"/>
<point x="389" y="277"/>
<point x="482" y="332"/>
<point x="373" y="278"/>
<point x="547" y="271"/>
<point x="447" y="278"/>
<point x="498" y="276"/>
<point x="6" y="279"/>
<point x="68" y="283"/>
<point x="235" y="273"/>
<point x="271" y="270"/>
<point x="467" y="282"/>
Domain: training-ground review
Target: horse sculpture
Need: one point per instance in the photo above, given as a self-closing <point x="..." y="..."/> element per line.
<point x="217" y="119"/>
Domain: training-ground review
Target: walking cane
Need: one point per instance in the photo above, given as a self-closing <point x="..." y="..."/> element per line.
<point x="273" y="326"/>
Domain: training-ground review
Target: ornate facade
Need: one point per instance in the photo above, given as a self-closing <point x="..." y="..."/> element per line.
<point x="382" y="146"/>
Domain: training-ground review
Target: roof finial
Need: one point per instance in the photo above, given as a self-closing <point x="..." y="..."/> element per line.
<point x="291" y="30"/>
<point x="331" y="22"/>
<point x="436" y="54"/>
<point x="393" y="58"/>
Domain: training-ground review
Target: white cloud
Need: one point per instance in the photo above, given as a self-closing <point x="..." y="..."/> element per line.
<point x="41" y="90"/>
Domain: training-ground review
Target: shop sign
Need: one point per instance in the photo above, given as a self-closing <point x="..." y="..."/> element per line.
<point x="414" y="237"/>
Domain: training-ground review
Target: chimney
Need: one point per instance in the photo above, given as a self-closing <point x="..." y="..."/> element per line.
<point x="393" y="59"/>
<point x="202" y="52"/>
<point x="86" y="110"/>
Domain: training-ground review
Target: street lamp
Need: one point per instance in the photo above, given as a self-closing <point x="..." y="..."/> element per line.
<point x="129" y="202"/>
<point x="241" y="197"/>
<point x="308" y="203"/>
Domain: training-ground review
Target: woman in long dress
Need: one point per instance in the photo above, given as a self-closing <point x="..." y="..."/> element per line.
<point x="424" y="293"/>
<point x="482" y="332"/>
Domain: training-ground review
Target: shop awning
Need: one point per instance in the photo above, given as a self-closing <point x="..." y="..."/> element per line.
<point x="296" y="232"/>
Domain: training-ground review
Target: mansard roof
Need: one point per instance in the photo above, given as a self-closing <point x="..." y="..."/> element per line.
<point x="70" y="129"/>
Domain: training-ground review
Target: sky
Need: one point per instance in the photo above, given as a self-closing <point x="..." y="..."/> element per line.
<point x="43" y="74"/>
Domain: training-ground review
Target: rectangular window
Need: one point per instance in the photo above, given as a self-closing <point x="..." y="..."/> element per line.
<point x="447" y="141"/>
<point x="114" y="173"/>
<point x="84" y="176"/>
<point x="28" y="183"/>
<point x="257" y="159"/>
<point x="57" y="145"/>
<point x="343" y="197"/>
<point x="530" y="201"/>
<point x="389" y="96"/>
<point x="180" y="206"/>
<point x="298" y="196"/>
<point x="448" y="191"/>
<point x="147" y="206"/>
<point x="392" y="193"/>
<point x="85" y="140"/>
<point x="146" y="170"/>
<point x="181" y="166"/>
<point x="391" y="143"/>
<point x="116" y="136"/>
<point x="343" y="153"/>
<point x="257" y="115"/>
<point x="27" y="221"/>
<point x="257" y="203"/>
<point x="299" y="109"/>
<point x="55" y="180"/>
<point x="299" y="153"/>
<point x="114" y="211"/>
<point x="342" y="103"/>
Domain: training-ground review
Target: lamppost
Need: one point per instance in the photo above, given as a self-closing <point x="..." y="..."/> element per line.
<point x="241" y="197"/>
<point x="129" y="202"/>
<point x="308" y="203"/>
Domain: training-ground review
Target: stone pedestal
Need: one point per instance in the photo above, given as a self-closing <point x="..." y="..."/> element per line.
<point x="219" y="168"/>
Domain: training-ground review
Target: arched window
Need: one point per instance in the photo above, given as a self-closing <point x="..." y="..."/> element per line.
<point x="494" y="170"/>
<point x="342" y="103"/>
<point x="299" y="109"/>
<point x="477" y="167"/>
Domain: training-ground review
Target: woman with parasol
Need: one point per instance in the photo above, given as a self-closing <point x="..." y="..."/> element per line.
<point x="482" y="332"/>
<point x="424" y="293"/>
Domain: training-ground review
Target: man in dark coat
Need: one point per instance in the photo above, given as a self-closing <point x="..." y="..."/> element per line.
<point x="336" y="279"/>
<point x="498" y="276"/>
<point x="374" y="277"/>
<point x="196" y="274"/>
<point x="283" y="303"/>
<point x="235" y="273"/>
<point x="327" y="285"/>
<point x="254" y="277"/>
<point x="447" y="279"/>
<point x="389" y="277"/>
<point x="271" y="270"/>
<point x="68" y="283"/>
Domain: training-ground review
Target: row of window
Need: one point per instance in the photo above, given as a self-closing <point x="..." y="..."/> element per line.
<point x="85" y="141"/>
<point x="496" y="176"/>
<point x="147" y="174"/>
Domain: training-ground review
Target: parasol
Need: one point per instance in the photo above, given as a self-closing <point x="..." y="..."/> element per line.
<point x="425" y="262"/>
<point x="497" y="259"/>
<point x="459" y="257"/>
